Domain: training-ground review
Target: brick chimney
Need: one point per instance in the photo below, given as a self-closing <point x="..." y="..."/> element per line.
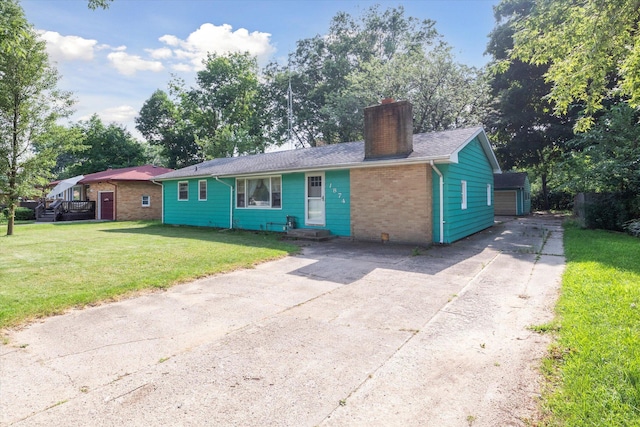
<point x="388" y="130"/>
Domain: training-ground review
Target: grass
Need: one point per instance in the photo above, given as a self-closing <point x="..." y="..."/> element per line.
<point x="48" y="268"/>
<point x="593" y="369"/>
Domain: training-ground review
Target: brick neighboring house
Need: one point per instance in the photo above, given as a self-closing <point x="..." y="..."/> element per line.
<point x="125" y="194"/>
<point x="394" y="185"/>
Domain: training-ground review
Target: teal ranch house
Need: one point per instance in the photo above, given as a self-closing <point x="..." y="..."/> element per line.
<point x="420" y="189"/>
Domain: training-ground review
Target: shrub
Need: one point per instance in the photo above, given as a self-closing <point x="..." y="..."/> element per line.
<point x="607" y="211"/>
<point x="22" y="214"/>
<point x="632" y="227"/>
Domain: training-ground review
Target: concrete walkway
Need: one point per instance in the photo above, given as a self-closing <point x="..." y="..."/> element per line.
<point x="344" y="334"/>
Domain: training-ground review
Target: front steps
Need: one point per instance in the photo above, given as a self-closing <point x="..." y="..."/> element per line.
<point x="309" y="234"/>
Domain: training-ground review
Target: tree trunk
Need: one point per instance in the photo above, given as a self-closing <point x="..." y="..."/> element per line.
<point x="12" y="216"/>
<point x="545" y="192"/>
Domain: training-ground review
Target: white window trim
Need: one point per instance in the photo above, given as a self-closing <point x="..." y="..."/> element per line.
<point x="206" y="190"/>
<point x="489" y="201"/>
<point x="148" y="204"/>
<point x="183" y="182"/>
<point x="246" y="205"/>
<point x="463" y="191"/>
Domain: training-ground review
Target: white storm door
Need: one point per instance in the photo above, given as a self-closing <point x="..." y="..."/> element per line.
<point x="314" y="195"/>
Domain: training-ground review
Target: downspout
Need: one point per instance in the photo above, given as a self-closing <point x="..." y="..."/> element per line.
<point x="441" y="187"/>
<point x="230" y="201"/>
<point x="161" y="200"/>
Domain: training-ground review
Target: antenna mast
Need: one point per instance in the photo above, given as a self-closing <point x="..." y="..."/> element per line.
<point x="290" y="131"/>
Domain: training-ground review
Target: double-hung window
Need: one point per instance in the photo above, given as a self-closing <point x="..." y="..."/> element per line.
<point x="261" y="193"/>
<point x="202" y="190"/>
<point x="183" y="190"/>
<point x="146" y="201"/>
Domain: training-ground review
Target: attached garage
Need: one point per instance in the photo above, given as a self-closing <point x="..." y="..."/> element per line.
<point x="512" y="193"/>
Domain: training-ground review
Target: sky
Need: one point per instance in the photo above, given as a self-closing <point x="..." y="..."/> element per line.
<point x="114" y="59"/>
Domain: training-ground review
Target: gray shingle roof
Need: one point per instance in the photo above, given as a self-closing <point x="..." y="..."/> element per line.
<point x="502" y="181"/>
<point x="426" y="146"/>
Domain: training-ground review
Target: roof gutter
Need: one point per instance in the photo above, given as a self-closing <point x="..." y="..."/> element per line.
<point x="441" y="191"/>
<point x="368" y="164"/>
<point x="230" y="201"/>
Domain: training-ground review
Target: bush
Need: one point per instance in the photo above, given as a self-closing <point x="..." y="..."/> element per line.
<point x="22" y="214"/>
<point x="558" y="201"/>
<point x="607" y="211"/>
<point x="632" y="227"/>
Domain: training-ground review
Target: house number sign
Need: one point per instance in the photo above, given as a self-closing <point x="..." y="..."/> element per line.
<point x="335" y="191"/>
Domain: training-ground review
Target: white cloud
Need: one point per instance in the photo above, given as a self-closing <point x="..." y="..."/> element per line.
<point x="161" y="53"/>
<point x="122" y="113"/>
<point x="130" y="64"/>
<point x="221" y="39"/>
<point x="70" y="48"/>
<point x="183" y="68"/>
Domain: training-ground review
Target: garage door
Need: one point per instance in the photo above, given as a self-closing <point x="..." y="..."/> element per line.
<point x="505" y="203"/>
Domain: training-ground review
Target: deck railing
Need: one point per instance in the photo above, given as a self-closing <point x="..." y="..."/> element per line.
<point x="77" y="206"/>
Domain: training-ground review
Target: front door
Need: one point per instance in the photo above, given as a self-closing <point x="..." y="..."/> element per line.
<point x="106" y="205"/>
<point x="314" y="208"/>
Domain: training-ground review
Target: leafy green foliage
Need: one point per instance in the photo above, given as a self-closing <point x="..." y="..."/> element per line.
<point x="227" y="106"/>
<point x="632" y="227"/>
<point x="99" y="4"/>
<point x="165" y="125"/>
<point x="592" y="50"/>
<point x="594" y="369"/>
<point x="222" y="116"/>
<point x="360" y="61"/>
<point x="607" y="158"/>
<point x="20" y="214"/>
<point x="30" y="104"/>
<point x="110" y="146"/>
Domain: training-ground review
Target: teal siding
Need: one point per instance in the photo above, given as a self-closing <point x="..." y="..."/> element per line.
<point x="338" y="202"/>
<point x="215" y="211"/>
<point x="473" y="167"/>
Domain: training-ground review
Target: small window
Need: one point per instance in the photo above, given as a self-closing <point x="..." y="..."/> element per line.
<point x="488" y="194"/>
<point x="463" y="190"/>
<point x="183" y="190"/>
<point x="202" y="190"/>
<point x="259" y="192"/>
<point x="146" y="201"/>
<point x="240" y="193"/>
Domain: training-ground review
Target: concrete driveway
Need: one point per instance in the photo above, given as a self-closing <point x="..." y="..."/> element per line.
<point x="344" y="334"/>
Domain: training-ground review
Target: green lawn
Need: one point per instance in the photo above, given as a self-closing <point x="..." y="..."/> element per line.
<point x="47" y="268"/>
<point x="594" y="368"/>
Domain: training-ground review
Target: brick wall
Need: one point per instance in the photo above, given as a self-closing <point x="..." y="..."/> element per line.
<point x="388" y="130"/>
<point x="396" y="200"/>
<point x="129" y="199"/>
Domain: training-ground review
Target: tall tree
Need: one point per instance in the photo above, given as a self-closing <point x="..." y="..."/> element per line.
<point x="521" y="122"/>
<point x="607" y="158"/>
<point x="29" y="105"/>
<point x="319" y="69"/>
<point x="226" y="107"/>
<point x="444" y="94"/>
<point x="591" y="48"/>
<point x="99" y="4"/>
<point x="164" y="124"/>
<point x="110" y="146"/>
